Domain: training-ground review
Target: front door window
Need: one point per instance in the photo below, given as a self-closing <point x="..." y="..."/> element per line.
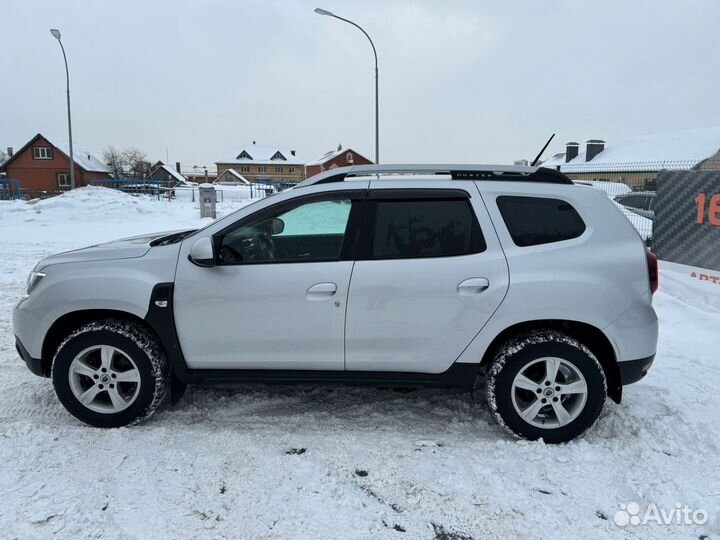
<point x="311" y="232"/>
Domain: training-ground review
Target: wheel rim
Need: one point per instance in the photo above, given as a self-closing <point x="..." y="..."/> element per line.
<point x="104" y="379"/>
<point x="549" y="392"/>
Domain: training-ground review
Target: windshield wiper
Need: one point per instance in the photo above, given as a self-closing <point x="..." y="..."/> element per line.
<point x="171" y="238"/>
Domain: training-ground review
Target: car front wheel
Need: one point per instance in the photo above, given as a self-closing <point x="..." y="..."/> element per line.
<point x="546" y="384"/>
<point x="110" y="373"/>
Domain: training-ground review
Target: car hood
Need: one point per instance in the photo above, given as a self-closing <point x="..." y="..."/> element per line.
<point x="125" y="248"/>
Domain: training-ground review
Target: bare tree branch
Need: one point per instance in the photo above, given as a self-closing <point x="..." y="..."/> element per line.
<point x="128" y="163"/>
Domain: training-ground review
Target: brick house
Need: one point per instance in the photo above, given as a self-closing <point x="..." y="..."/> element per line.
<point x="262" y="163"/>
<point x="340" y="157"/>
<point x="44" y="165"/>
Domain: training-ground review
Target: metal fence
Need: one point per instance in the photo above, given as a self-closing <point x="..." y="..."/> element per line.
<point x="162" y="191"/>
<point x="9" y="189"/>
<point x="131" y="186"/>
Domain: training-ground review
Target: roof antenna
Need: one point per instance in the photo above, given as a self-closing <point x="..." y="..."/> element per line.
<point x="537" y="158"/>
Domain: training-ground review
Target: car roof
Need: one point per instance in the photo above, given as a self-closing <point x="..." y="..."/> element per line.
<point x="455" y="171"/>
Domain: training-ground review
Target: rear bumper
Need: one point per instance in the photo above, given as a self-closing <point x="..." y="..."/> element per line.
<point x="33" y="364"/>
<point x="632" y="371"/>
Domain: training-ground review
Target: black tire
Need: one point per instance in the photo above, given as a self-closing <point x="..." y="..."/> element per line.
<point x="523" y="354"/>
<point x="137" y="344"/>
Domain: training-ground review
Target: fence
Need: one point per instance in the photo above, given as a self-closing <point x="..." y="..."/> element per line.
<point x="9" y="189"/>
<point x="185" y="192"/>
<point x="132" y="187"/>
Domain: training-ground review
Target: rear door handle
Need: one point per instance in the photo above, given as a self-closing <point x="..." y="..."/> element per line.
<point x="321" y="291"/>
<point x="472" y="286"/>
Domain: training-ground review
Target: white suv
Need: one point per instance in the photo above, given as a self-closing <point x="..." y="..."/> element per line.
<point x="383" y="275"/>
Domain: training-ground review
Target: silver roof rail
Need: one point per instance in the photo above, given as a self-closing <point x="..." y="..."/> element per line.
<point x="457" y="172"/>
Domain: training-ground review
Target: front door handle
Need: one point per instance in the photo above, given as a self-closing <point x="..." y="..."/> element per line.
<point x="321" y="291"/>
<point x="472" y="286"/>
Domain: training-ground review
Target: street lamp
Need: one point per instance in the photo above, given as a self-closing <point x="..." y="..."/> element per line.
<point x="321" y="11"/>
<point x="56" y="34"/>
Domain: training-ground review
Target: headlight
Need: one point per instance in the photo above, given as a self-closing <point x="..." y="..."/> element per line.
<point x="32" y="281"/>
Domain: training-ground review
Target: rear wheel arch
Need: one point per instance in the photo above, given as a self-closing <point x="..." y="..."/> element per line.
<point x="590" y="336"/>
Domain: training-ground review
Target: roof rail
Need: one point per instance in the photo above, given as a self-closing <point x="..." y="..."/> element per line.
<point x="514" y="173"/>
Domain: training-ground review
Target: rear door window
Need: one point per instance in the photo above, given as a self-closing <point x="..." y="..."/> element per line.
<point x="406" y="228"/>
<point x="532" y="221"/>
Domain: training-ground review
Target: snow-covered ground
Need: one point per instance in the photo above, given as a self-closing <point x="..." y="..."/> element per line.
<point x="312" y="462"/>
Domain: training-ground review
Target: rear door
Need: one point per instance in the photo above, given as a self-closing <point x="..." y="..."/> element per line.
<point x="429" y="274"/>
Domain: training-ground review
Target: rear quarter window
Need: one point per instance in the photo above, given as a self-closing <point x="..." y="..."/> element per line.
<point x="532" y="221"/>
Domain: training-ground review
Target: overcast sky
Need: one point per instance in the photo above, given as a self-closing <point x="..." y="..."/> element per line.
<point x="460" y="81"/>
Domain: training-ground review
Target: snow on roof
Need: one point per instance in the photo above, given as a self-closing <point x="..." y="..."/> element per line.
<point x="678" y="150"/>
<point x="238" y="177"/>
<point x="263" y="155"/>
<point x="172" y="172"/>
<point x="84" y="159"/>
<point x="327" y="156"/>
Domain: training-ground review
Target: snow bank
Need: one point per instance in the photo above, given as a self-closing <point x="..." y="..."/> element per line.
<point x="95" y="214"/>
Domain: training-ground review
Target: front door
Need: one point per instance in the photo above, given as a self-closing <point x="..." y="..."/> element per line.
<point x="276" y="297"/>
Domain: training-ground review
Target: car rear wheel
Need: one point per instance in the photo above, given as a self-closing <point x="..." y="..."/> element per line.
<point x="110" y="373"/>
<point x="546" y="385"/>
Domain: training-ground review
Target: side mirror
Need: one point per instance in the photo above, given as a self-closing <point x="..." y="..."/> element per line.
<point x="277" y="226"/>
<point x="202" y="252"/>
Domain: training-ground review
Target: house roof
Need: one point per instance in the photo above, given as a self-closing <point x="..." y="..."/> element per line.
<point x="237" y="177"/>
<point x="82" y="158"/>
<point x="677" y="150"/>
<point x="260" y="154"/>
<point x="330" y="155"/>
<point x="172" y="172"/>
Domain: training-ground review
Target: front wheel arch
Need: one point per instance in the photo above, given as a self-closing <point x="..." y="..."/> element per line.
<point x="70" y="322"/>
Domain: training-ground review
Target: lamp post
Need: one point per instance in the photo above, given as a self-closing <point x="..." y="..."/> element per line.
<point x="56" y="34"/>
<point x="321" y="11"/>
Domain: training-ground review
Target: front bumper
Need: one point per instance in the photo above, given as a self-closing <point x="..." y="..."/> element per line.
<point x="632" y="371"/>
<point x="33" y="364"/>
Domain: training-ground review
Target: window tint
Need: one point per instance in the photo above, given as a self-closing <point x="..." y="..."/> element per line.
<point x="425" y="228"/>
<point x="534" y="220"/>
<point x="314" y="231"/>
